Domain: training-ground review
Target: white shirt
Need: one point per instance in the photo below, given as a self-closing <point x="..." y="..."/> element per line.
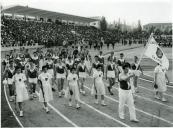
<point x="19" y="78"/>
<point x="45" y="78"/>
<point x="72" y="78"/>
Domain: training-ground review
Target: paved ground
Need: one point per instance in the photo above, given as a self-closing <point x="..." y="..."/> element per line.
<point x="150" y="111"/>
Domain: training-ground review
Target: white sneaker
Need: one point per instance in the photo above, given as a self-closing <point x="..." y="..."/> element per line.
<point x="134" y="120"/>
<point x="63" y="92"/>
<point x="83" y="92"/>
<point x="47" y="110"/>
<point x="44" y="107"/>
<point x="157" y="97"/>
<point x="77" y="106"/>
<point x="103" y="103"/>
<point x="21" y="114"/>
<point x="80" y="90"/>
<point x="34" y="95"/>
<point x="59" y="94"/>
<point x="163" y="99"/>
<point x="96" y="102"/>
<point x="11" y="99"/>
<point x="122" y="117"/>
<point x="70" y="104"/>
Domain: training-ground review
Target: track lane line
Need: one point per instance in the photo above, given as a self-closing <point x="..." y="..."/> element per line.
<point x="14" y="114"/>
<point x="152" y="77"/>
<point x="160" y="118"/>
<point x="152" y="82"/>
<point x="153" y="91"/>
<point x="59" y="113"/>
<point x="171" y="107"/>
<point x="104" y="114"/>
<point x="148" y="99"/>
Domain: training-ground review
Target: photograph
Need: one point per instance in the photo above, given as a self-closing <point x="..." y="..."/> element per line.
<point x="86" y="63"/>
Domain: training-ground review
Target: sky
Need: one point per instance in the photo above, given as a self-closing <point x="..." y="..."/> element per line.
<point x="130" y="11"/>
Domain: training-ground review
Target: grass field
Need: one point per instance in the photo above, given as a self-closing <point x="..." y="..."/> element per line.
<point x="150" y="112"/>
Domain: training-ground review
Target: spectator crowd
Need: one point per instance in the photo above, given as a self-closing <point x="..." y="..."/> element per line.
<point x="28" y="33"/>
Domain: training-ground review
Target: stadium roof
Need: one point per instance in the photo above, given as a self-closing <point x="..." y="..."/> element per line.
<point x="25" y="10"/>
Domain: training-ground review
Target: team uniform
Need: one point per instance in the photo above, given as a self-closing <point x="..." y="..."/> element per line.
<point x="98" y="88"/>
<point x="160" y="79"/>
<point x="73" y="89"/>
<point x="60" y="71"/>
<point x="22" y="64"/>
<point x="110" y="72"/>
<point x="94" y="66"/>
<point x="49" y="64"/>
<point x="69" y="65"/>
<point x="10" y="73"/>
<point x="125" y="96"/>
<point x="32" y="79"/>
<point x="120" y="63"/>
<point x="21" y="91"/>
<point x="46" y="94"/>
<point x="88" y="64"/>
<point x="82" y="70"/>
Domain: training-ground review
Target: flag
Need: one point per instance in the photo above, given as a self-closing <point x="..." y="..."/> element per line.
<point x="154" y="52"/>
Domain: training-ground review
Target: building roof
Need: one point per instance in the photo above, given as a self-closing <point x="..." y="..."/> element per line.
<point x="29" y="11"/>
<point x="157" y="24"/>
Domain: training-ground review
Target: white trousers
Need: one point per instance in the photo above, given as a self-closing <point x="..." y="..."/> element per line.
<point x="125" y="96"/>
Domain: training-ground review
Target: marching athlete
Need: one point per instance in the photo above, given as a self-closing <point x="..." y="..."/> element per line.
<point x="73" y="86"/>
<point x="81" y="71"/>
<point x="110" y="74"/>
<point x="94" y="65"/>
<point x="32" y="74"/>
<point x="98" y="88"/>
<point x="60" y="75"/>
<point x="139" y="69"/>
<point x="19" y="81"/>
<point x="121" y="62"/>
<point x="69" y="63"/>
<point x="50" y="67"/>
<point x="125" y="93"/>
<point x="45" y="81"/>
<point x="9" y="72"/>
<point x="35" y="58"/>
<point x="160" y="78"/>
<point x="101" y="60"/>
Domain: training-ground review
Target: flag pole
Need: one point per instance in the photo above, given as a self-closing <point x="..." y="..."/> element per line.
<point x="142" y="54"/>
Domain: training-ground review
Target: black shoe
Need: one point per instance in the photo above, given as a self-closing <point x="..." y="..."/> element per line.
<point x="53" y="90"/>
<point x="111" y="93"/>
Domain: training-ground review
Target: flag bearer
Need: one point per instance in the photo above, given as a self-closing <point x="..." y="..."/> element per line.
<point x="125" y="93"/>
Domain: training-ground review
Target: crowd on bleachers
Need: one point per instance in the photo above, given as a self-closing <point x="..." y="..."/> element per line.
<point x="16" y="32"/>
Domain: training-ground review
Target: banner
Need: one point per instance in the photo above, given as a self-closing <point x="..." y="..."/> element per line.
<point x="154" y="52"/>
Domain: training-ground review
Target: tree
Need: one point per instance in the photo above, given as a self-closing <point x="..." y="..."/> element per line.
<point x="139" y="28"/>
<point x="103" y="24"/>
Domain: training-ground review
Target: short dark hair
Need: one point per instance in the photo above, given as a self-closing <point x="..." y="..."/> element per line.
<point x="126" y="65"/>
<point x="99" y="66"/>
<point x="45" y="66"/>
<point x="73" y="68"/>
<point x="122" y="54"/>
